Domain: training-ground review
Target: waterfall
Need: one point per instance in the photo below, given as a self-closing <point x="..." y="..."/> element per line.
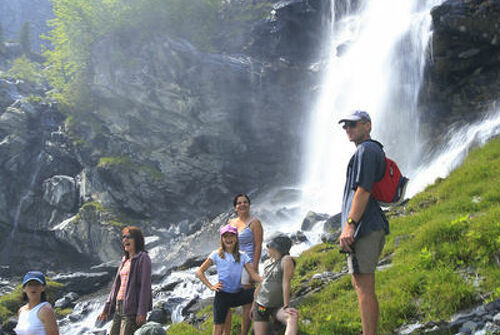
<point x="376" y="63"/>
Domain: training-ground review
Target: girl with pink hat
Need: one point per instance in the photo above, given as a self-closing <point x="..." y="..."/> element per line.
<point x="229" y="262"/>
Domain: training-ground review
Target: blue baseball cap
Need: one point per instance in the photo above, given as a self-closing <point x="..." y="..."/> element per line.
<point x="356" y="116"/>
<point x="34" y="275"/>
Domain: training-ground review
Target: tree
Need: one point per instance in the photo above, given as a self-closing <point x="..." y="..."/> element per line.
<point x="25" y="37"/>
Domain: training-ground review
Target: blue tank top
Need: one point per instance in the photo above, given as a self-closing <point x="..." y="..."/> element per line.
<point x="247" y="241"/>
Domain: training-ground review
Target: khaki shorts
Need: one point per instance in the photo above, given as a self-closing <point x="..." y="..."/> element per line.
<point x="367" y="250"/>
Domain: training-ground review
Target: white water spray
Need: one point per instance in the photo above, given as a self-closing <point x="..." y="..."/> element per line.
<point x="381" y="72"/>
<point x="458" y="146"/>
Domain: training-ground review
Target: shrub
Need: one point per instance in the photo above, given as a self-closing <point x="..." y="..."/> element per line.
<point x="24" y="69"/>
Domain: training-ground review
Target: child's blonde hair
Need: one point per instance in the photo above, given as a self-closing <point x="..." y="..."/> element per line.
<point x="236" y="251"/>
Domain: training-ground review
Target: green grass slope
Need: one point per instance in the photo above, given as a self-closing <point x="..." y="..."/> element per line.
<point x="444" y="255"/>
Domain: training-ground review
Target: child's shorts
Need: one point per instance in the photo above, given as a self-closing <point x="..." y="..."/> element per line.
<point x="224" y="300"/>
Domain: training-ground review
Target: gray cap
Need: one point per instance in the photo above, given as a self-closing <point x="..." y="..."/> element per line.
<point x="280" y="242"/>
<point x="356" y="116"/>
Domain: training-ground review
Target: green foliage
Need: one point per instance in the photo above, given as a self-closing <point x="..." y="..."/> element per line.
<point x="114" y="161"/>
<point x="24" y="69"/>
<point x="62" y="312"/>
<point x="184" y="329"/>
<point x="93" y="206"/>
<point x="25" y="37"/>
<point x="127" y="165"/>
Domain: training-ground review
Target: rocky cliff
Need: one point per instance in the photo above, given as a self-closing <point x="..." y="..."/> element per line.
<point x="463" y="70"/>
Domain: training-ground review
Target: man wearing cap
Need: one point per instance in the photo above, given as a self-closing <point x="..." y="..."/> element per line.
<point x="364" y="225"/>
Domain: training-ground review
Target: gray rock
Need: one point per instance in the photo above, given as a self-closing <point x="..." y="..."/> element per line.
<point x="462" y="79"/>
<point x="469" y="327"/>
<point x="311" y="219"/>
<point x="329" y="237"/>
<point x="72" y="296"/>
<point x="60" y="192"/>
<point x="83" y="283"/>
<point x="333" y="224"/>
<point x="496" y="319"/>
<point x="159" y="315"/>
<point x="62" y="303"/>
<point x="91" y="234"/>
<point x="9" y="325"/>
<point x="299" y="237"/>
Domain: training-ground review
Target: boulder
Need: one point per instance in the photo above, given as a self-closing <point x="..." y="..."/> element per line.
<point x="82" y="283"/>
<point x="90" y="233"/>
<point x="159" y="315"/>
<point x="311" y="219"/>
<point x="151" y="328"/>
<point x="60" y="192"/>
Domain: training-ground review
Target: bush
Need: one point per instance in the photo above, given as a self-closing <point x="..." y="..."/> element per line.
<point x="24" y="69"/>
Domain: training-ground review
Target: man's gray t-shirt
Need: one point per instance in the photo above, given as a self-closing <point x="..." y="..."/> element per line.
<point x="366" y="166"/>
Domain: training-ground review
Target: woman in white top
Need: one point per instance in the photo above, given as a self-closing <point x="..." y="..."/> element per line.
<point x="36" y="317"/>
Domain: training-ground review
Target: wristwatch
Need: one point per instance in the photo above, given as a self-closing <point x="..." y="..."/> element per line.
<point x="351" y="221"/>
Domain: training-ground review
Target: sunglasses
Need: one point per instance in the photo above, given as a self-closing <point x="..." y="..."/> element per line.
<point x="350" y="124"/>
<point x="126" y="236"/>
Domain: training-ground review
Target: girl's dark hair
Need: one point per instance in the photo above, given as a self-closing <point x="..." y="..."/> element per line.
<point x="137" y="235"/>
<point x="235" y="200"/>
<point x="43" y="297"/>
<point x="236" y="251"/>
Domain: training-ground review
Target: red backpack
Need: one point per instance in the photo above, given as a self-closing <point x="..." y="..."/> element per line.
<point x="390" y="190"/>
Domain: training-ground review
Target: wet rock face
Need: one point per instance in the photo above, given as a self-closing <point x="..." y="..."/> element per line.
<point x="463" y="72"/>
<point x="195" y="127"/>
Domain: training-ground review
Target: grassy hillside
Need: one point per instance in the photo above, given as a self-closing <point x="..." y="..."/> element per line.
<point x="444" y="254"/>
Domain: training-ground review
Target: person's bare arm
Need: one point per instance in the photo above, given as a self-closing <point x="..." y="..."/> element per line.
<point x="258" y="236"/>
<point x="48" y="317"/>
<point x="288" y="269"/>
<point x="359" y="202"/>
<point x="253" y="274"/>
<point x="201" y="274"/>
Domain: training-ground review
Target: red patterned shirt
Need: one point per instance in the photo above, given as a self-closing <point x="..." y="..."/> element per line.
<point x="124" y="272"/>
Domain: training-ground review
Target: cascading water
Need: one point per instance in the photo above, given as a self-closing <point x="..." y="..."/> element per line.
<point x="380" y="71"/>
